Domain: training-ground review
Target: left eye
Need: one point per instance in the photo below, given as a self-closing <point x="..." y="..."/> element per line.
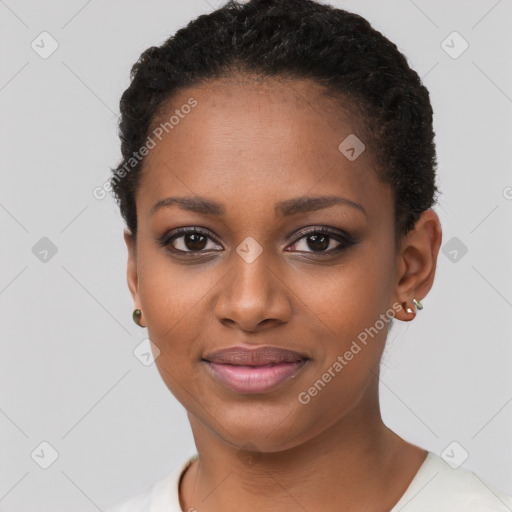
<point x="320" y="241"/>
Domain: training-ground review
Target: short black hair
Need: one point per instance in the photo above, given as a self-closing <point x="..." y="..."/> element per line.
<point x="301" y="39"/>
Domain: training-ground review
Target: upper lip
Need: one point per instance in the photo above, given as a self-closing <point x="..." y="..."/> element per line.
<point x="259" y="356"/>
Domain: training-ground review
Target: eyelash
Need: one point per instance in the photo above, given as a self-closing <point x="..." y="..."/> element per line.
<point x="345" y="240"/>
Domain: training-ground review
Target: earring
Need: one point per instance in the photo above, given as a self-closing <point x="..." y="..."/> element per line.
<point x="137" y="313"/>
<point x="418" y="304"/>
<point x="409" y="310"/>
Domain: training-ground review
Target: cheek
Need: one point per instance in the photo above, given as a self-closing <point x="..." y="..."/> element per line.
<point x="346" y="304"/>
<point x="348" y="297"/>
<point x="168" y="289"/>
<point x="172" y="299"/>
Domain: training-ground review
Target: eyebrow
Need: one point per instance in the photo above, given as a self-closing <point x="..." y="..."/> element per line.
<point x="285" y="208"/>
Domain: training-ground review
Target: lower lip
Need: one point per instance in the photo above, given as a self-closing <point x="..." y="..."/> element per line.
<point x="254" y="379"/>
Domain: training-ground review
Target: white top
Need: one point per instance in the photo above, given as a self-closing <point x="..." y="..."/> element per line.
<point x="436" y="487"/>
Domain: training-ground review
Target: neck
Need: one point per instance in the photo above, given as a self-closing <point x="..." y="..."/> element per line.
<point x="354" y="462"/>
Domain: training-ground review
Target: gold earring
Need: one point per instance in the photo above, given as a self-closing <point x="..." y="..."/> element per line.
<point x="137" y="313"/>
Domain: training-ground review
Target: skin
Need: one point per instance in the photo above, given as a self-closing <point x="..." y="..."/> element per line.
<point x="247" y="145"/>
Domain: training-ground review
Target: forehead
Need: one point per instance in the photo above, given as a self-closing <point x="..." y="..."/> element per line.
<point x="258" y="139"/>
<point x="294" y="115"/>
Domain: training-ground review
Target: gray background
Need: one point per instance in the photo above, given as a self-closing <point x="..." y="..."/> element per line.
<point x="68" y="375"/>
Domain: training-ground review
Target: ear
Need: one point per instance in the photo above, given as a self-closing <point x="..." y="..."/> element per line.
<point x="131" y="274"/>
<point x="416" y="263"/>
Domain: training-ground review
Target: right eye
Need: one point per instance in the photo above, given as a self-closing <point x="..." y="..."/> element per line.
<point x="187" y="240"/>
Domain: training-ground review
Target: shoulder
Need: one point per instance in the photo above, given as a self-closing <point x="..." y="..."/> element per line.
<point x="437" y="486"/>
<point x="160" y="496"/>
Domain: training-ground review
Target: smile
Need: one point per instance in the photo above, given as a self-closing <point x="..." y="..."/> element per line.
<point x="254" y="379"/>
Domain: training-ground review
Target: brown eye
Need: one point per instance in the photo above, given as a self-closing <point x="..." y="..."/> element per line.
<point x="194" y="241"/>
<point x="318" y="242"/>
<point x="189" y="241"/>
<point x="322" y="240"/>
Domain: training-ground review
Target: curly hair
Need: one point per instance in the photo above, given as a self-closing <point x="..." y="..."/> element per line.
<point x="301" y="39"/>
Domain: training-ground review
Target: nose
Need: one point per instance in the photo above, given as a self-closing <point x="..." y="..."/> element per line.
<point x="253" y="296"/>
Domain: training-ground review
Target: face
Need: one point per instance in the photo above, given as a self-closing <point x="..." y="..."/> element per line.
<point x="256" y="267"/>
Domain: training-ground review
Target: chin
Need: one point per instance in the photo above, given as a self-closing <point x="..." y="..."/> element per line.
<point x="265" y="428"/>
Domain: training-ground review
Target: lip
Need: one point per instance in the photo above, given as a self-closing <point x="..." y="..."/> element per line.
<point x="254" y="370"/>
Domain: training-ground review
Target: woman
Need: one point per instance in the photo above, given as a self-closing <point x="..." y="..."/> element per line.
<point x="277" y="184"/>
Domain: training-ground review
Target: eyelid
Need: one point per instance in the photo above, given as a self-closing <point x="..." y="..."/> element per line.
<point x="343" y="238"/>
<point x="326" y="230"/>
<point x="173" y="234"/>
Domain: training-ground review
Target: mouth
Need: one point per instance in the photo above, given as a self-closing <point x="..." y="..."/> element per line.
<point x="254" y="370"/>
